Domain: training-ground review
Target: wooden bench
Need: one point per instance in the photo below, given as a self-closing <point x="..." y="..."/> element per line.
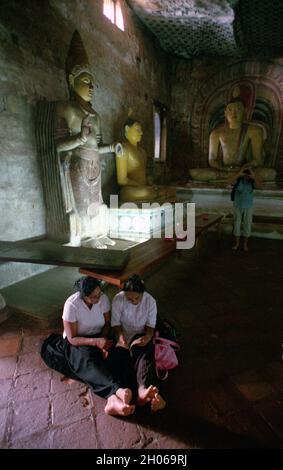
<point x="145" y="256"/>
<point x="112" y="266"/>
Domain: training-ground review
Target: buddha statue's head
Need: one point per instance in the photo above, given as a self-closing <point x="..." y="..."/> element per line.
<point x="82" y="84"/>
<point x="133" y="131"/>
<point x="79" y="76"/>
<point x="235" y="113"/>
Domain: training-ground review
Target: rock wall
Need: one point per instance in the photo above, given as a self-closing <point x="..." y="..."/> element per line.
<point x="130" y="71"/>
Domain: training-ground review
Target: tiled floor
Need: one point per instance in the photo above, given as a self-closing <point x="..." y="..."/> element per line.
<point x="227" y="392"/>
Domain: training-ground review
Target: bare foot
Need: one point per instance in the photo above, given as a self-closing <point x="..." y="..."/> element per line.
<point x="235" y="247"/>
<point x="246" y="248"/>
<point x="157" y="403"/>
<point x="67" y="380"/>
<point x="115" y="406"/>
<point x="125" y="395"/>
<point x="145" y="395"/>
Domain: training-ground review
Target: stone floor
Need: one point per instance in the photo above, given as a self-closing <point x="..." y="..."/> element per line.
<point x="227" y="392"/>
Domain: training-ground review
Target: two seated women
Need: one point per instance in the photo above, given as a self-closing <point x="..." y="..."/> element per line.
<point x="121" y="370"/>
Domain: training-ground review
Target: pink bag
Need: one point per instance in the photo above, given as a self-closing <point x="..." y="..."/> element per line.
<point x="164" y="354"/>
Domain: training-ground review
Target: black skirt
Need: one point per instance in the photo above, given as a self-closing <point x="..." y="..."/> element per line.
<point x="83" y="363"/>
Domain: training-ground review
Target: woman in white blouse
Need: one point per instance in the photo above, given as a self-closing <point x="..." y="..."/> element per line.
<point x="86" y="319"/>
<point x="133" y="319"/>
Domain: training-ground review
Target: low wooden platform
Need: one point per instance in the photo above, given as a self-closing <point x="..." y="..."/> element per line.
<point x="44" y="251"/>
<point x="142" y="258"/>
<point x="112" y="266"/>
<point x="145" y="256"/>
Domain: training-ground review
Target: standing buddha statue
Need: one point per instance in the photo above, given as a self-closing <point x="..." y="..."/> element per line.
<point x="78" y="140"/>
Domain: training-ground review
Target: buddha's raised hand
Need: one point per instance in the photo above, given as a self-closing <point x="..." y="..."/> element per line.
<point x="86" y="128"/>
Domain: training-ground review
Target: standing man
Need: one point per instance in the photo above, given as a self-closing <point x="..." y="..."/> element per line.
<point x="242" y="195"/>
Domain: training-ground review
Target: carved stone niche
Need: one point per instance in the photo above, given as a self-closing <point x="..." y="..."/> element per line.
<point x="265" y="80"/>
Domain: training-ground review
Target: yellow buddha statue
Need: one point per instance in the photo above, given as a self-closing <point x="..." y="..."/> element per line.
<point x="233" y="145"/>
<point x="131" y="169"/>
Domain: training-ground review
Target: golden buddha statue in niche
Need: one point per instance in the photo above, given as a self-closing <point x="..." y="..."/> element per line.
<point x="131" y="169"/>
<point x="79" y="144"/>
<point x="235" y="144"/>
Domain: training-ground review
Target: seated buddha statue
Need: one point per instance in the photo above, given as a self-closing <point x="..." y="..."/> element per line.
<point x="233" y="145"/>
<point x="131" y="169"/>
